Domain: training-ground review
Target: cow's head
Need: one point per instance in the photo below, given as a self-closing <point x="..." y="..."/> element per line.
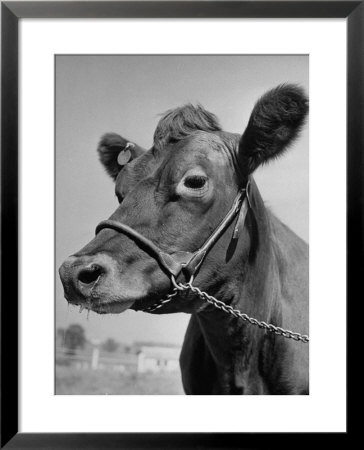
<point x="176" y="194"/>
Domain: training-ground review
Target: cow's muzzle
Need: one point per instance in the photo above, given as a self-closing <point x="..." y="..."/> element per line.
<point x="92" y="281"/>
<point x="80" y="276"/>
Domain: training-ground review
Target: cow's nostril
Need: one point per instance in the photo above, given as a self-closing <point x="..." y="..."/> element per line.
<point x="90" y="274"/>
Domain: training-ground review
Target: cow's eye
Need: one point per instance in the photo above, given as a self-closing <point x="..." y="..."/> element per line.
<point x="195" y="182"/>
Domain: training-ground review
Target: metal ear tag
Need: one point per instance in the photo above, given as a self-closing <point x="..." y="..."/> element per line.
<point x="125" y="155"/>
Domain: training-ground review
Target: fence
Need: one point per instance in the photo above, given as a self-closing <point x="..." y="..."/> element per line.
<point x="148" y="358"/>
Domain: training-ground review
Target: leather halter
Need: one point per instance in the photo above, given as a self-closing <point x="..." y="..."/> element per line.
<point x="188" y="262"/>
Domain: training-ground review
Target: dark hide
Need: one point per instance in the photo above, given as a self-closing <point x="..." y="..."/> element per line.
<point x="273" y="287"/>
<point x="264" y="273"/>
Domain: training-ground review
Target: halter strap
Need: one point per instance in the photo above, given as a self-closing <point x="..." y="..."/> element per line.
<point x="189" y="262"/>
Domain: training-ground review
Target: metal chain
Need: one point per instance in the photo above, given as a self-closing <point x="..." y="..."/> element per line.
<point x="160" y="303"/>
<point x="229" y="310"/>
<point x="236" y="313"/>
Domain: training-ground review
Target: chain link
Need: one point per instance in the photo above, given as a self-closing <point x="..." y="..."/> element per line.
<point x="161" y="303"/>
<point x="228" y="309"/>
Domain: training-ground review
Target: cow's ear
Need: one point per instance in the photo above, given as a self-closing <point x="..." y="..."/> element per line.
<point x="115" y="151"/>
<point x="274" y="124"/>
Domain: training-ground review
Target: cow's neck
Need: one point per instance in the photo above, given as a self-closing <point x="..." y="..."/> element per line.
<point x="250" y="286"/>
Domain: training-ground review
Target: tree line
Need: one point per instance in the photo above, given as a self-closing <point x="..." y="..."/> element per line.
<point x="74" y="337"/>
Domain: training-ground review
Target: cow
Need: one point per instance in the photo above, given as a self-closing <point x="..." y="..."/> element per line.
<point x="191" y="234"/>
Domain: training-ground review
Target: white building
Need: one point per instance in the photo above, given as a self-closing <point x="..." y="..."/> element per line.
<point x="152" y="358"/>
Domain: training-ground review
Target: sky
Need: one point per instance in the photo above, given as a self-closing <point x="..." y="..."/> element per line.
<point x="126" y="94"/>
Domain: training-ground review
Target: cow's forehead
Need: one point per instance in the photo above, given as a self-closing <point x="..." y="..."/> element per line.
<point x="201" y="141"/>
<point x="208" y="150"/>
<point x="198" y="146"/>
<point x="211" y="150"/>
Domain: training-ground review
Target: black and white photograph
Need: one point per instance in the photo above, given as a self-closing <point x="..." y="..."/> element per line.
<point x="181" y="224"/>
<point x="181" y="206"/>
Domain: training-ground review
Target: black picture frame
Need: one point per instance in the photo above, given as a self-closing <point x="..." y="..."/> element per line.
<point x="11" y="13"/>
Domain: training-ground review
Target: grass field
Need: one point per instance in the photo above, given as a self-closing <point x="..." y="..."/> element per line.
<point x="72" y="381"/>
